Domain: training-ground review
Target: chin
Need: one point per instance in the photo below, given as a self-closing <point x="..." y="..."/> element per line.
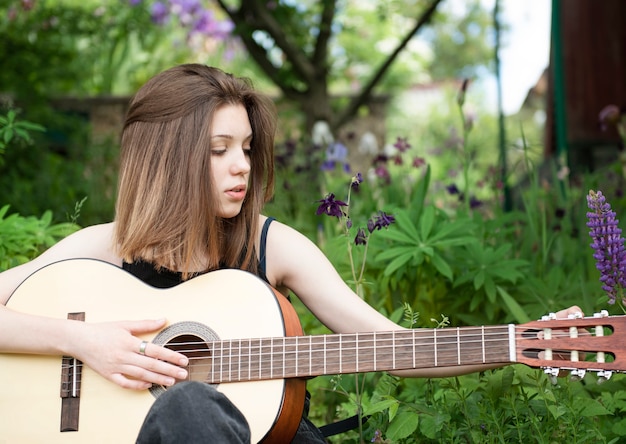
<point x="229" y="214"/>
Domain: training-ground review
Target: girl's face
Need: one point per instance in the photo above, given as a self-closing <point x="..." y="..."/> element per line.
<point x="231" y="138"/>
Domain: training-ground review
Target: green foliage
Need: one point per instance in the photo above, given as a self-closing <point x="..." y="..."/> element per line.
<point x="469" y="262"/>
<point x="15" y="131"/>
<point x="24" y="238"/>
<point x="67" y="47"/>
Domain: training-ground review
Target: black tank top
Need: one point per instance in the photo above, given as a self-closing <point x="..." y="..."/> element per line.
<point x="165" y="278"/>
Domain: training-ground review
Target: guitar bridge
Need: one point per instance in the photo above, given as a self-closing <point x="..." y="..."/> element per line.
<point x="71" y="373"/>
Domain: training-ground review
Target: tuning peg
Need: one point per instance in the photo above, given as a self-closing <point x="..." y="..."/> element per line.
<point x="577" y="374"/>
<point x="604" y="375"/>
<point x="552" y="373"/>
<point x="601" y="314"/>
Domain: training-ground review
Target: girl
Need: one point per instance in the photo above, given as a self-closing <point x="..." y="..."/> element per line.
<point x="196" y="168"/>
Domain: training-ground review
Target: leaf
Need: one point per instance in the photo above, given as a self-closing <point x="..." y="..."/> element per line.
<point x="403" y="425"/>
<point x="431" y="425"/>
<point x="426" y="222"/>
<point x="379" y="406"/>
<point x="397" y="263"/>
<point x="592" y="408"/>
<point x="442" y="266"/>
<point x="519" y="314"/>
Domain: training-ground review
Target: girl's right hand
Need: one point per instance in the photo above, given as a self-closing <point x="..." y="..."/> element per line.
<point x="114" y="350"/>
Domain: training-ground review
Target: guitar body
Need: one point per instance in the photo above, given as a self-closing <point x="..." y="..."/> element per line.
<point x="225" y="304"/>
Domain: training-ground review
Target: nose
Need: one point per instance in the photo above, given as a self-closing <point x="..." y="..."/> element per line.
<point x="240" y="162"/>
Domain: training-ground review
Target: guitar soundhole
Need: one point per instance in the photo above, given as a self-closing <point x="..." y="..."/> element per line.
<point x="191" y="339"/>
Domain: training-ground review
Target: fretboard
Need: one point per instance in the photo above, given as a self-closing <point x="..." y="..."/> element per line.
<point x="305" y="356"/>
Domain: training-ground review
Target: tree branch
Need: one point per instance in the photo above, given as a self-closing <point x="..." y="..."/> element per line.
<point x="257" y="52"/>
<point x="366" y="92"/>
<point x="325" y="32"/>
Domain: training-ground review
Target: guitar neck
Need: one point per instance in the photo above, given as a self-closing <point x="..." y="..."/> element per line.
<point x="306" y="356"/>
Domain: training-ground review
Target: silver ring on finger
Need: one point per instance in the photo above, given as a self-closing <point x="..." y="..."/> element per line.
<point x="142" y="347"/>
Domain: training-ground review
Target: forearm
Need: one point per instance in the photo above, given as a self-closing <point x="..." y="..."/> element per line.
<point x="24" y="333"/>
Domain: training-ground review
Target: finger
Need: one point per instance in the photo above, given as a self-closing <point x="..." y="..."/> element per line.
<point x="573" y="310"/>
<point x="154" y="371"/>
<point x="144" y="326"/>
<point x="128" y="383"/>
<point x="160" y="353"/>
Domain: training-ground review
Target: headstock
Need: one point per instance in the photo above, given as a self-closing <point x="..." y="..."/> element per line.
<point x="577" y="344"/>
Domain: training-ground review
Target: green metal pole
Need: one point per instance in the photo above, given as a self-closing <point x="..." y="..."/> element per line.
<point x="558" y="81"/>
<point x="508" y="205"/>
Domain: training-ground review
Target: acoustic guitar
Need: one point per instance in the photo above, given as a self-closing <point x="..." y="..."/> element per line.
<point x="245" y="338"/>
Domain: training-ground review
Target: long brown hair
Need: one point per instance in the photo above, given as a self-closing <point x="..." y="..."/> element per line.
<point x="166" y="207"/>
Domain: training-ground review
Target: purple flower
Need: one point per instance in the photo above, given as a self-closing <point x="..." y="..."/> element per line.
<point x="382" y="220"/>
<point x="361" y="237"/>
<point x="402" y="144"/>
<point x="453" y="189"/>
<point x="382" y="172"/>
<point x="209" y="26"/>
<point x="608" y="245"/>
<point x="336" y="154"/>
<point x="356" y="181"/>
<point x="159" y="13"/>
<point x="418" y="162"/>
<point x="475" y="203"/>
<point x="331" y="206"/>
<point x="609" y="116"/>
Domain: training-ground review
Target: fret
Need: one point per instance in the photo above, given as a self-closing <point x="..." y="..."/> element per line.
<point x="271" y="357"/>
<point x="413" y="346"/>
<point x="482" y="332"/>
<point x="356" y="350"/>
<point x="340" y="361"/>
<point x="310" y="355"/>
<point x="249" y="354"/>
<point x="393" y="345"/>
<point x="375" y="348"/>
<point x="230" y="359"/>
<point x="239" y="362"/>
<point x="221" y="360"/>
<point x="435" y="347"/>
<point x="458" y="346"/>
<point x="284" y="357"/>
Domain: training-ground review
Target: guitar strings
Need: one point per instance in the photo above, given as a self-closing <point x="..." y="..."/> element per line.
<point x="280" y="346"/>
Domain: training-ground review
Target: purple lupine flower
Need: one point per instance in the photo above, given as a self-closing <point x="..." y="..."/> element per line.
<point x="330" y="206"/>
<point x="608" y="245"/>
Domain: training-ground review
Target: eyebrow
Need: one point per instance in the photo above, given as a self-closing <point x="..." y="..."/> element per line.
<point x="229" y="136"/>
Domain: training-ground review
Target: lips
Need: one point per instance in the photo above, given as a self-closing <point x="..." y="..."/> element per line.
<point x="237" y="193"/>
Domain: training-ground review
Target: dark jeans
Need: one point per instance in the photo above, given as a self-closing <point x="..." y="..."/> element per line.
<point x="195" y="412"/>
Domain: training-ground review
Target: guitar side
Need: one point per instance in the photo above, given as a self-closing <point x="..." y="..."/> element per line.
<point x="231" y="303"/>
